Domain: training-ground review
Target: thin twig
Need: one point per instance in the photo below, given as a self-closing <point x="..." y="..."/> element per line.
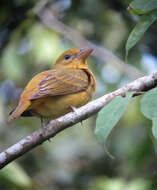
<point x="47" y="17"/>
<point x="68" y="120"/>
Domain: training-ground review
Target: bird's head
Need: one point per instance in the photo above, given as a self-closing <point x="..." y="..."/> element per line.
<point x="74" y="58"/>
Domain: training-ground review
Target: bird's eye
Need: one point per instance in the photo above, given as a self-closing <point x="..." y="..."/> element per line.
<point x="66" y="57"/>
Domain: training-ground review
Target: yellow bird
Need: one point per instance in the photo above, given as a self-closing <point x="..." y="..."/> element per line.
<point x="55" y="92"/>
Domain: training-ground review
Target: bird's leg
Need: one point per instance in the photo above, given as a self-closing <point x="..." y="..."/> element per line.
<point x="75" y="110"/>
<point x="43" y="125"/>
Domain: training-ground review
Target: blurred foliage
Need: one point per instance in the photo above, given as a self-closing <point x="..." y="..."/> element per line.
<point x="120" y="184"/>
<point x="14" y="176"/>
<point x="74" y="160"/>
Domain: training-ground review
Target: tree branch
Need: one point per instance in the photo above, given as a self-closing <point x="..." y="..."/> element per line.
<point x="47" y="17"/>
<point x="68" y="120"/>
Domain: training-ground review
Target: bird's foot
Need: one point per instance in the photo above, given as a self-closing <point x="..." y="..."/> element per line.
<point x="43" y="126"/>
<point x="75" y="110"/>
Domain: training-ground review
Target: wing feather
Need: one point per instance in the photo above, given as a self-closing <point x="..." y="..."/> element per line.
<point x="61" y="82"/>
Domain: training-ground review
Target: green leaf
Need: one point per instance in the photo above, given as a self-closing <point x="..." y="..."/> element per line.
<point x="135" y="12"/>
<point x="149" y="108"/>
<point x="154" y="127"/>
<point x="144" y="22"/>
<point x="143" y="6"/>
<point x="110" y="115"/>
<point x="149" y="104"/>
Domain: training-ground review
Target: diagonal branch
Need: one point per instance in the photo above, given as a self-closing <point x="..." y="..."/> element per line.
<point x="68" y="120"/>
<point x="49" y="20"/>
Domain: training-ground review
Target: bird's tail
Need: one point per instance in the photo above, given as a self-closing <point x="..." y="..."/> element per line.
<point x="22" y="106"/>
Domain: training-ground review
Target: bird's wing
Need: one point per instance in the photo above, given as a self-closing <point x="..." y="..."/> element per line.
<point x="58" y="83"/>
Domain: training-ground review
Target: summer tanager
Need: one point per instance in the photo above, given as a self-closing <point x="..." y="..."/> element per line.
<point x="56" y="92"/>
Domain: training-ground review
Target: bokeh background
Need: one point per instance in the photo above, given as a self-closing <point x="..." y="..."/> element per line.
<point x="32" y="36"/>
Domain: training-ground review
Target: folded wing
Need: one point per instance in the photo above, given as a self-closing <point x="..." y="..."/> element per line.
<point x="60" y="83"/>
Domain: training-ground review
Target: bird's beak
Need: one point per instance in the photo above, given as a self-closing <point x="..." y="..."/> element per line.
<point x="84" y="53"/>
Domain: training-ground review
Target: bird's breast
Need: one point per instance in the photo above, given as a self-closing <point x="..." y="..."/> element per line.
<point x="57" y="106"/>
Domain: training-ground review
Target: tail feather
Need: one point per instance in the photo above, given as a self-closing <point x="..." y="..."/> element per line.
<point x="18" y="110"/>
